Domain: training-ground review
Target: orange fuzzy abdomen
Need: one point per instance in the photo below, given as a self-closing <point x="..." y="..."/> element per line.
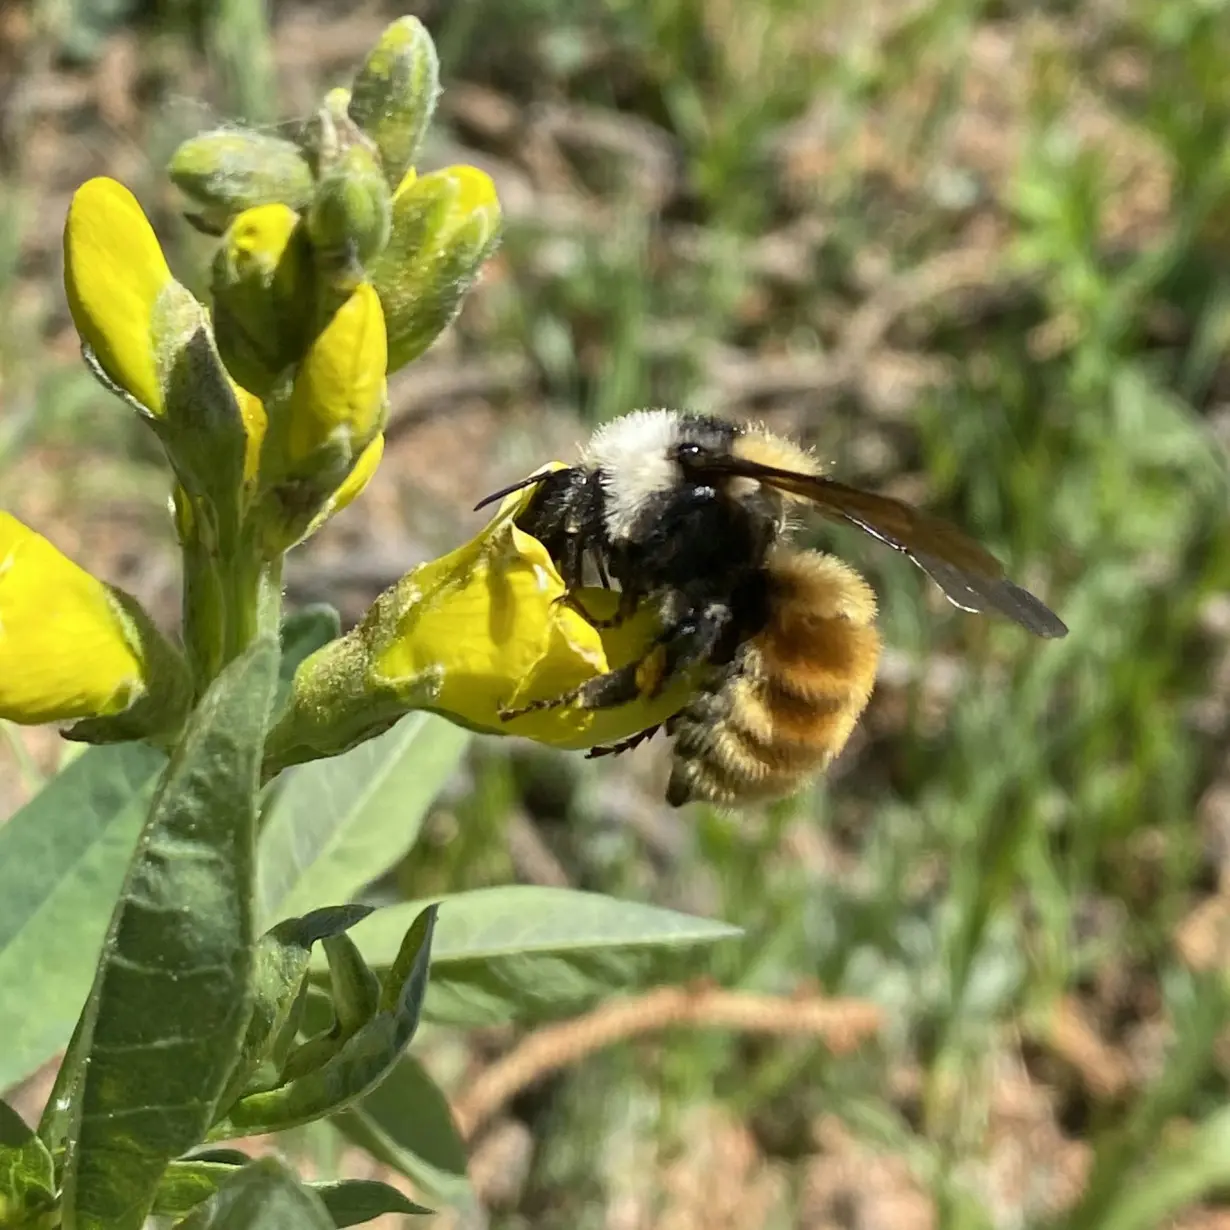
<point x="795" y="695"/>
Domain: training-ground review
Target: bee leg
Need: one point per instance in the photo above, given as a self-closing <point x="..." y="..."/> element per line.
<point x="624" y="745"/>
<point x="687" y="642"/>
<point x="624" y="611"/>
<point x="571" y="599"/>
<point x="607" y="691"/>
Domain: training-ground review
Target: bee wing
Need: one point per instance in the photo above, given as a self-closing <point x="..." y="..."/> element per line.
<point x="970" y="576"/>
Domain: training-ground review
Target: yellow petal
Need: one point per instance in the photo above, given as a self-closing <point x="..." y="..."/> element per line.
<point x="356" y="480"/>
<point x="64" y="650"/>
<point x="114" y="273"/>
<point x="467" y="636"/>
<point x="407" y="182"/>
<point x="252" y="411"/>
<point x="261" y="281"/>
<point x="487" y="622"/>
<point x="340" y="389"/>
<point x="475" y="192"/>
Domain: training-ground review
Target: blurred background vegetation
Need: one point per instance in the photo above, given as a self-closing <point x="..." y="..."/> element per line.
<point x="978" y="255"/>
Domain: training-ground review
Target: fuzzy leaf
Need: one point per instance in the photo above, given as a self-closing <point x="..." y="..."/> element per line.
<point x="166" y="1018"/>
<point x="264" y="1195"/>
<point x="363" y="1060"/>
<point x="406" y="1123"/>
<point x="280" y="967"/>
<point x="338" y="824"/>
<point x="521" y="953"/>
<point x="62" y="861"/>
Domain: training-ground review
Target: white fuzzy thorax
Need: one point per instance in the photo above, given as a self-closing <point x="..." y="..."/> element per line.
<point x="632" y="452"/>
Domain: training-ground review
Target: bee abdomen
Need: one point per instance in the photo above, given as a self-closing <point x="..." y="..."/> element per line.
<point x="792" y="698"/>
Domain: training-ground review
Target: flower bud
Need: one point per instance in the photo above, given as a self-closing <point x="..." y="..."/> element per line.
<point x="262" y="288"/>
<point x="114" y="276"/>
<point x="228" y="171"/>
<point x="394" y="95"/>
<point x="320" y="431"/>
<point x="202" y="427"/>
<point x="149" y="339"/>
<point x="445" y="225"/>
<point x="73" y="648"/>
<point x="349" y="217"/>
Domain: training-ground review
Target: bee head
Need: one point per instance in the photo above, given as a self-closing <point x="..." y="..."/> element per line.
<point x="654" y="460"/>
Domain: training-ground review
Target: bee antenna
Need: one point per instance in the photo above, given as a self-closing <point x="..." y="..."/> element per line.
<point x="503" y="491"/>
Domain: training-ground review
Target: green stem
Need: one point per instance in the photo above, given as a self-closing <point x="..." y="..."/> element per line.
<point x="231" y="595"/>
<point x="253" y="598"/>
<point x="204" y="598"/>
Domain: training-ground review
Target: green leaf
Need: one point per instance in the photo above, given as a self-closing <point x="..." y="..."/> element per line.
<point x="363" y="1060"/>
<point x="352" y="1201"/>
<point x="353" y="1001"/>
<point x="62" y="862"/>
<point x="337" y="824"/>
<point x="27" y="1173"/>
<point x="278" y="981"/>
<point x="189" y="1182"/>
<point x="1178" y="1176"/>
<point x="522" y="953"/>
<point x="406" y="1123"/>
<point x="349" y="1202"/>
<point x="264" y="1195"/>
<point x="170" y="1005"/>
<point x="356" y="989"/>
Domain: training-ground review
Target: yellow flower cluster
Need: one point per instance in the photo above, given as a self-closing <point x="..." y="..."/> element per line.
<point x="336" y="263"/>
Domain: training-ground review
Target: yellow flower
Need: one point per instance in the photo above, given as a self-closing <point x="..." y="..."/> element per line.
<point x="72" y="647"/>
<point x="115" y="276"/>
<point x="488" y="621"/>
<point x="468" y="635"/>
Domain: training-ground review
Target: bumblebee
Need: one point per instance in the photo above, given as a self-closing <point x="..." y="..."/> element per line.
<point x="691" y="515"/>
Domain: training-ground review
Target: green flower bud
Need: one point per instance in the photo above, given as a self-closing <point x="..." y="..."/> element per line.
<point x="349" y="217"/>
<point x="445" y="225"/>
<point x="262" y="288"/>
<point x="394" y="95"/>
<point x="228" y="171"/>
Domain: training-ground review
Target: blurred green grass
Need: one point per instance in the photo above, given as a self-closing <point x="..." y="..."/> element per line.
<point x="1011" y="858"/>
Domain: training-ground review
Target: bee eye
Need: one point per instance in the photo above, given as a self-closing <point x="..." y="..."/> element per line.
<point x="688" y="452"/>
